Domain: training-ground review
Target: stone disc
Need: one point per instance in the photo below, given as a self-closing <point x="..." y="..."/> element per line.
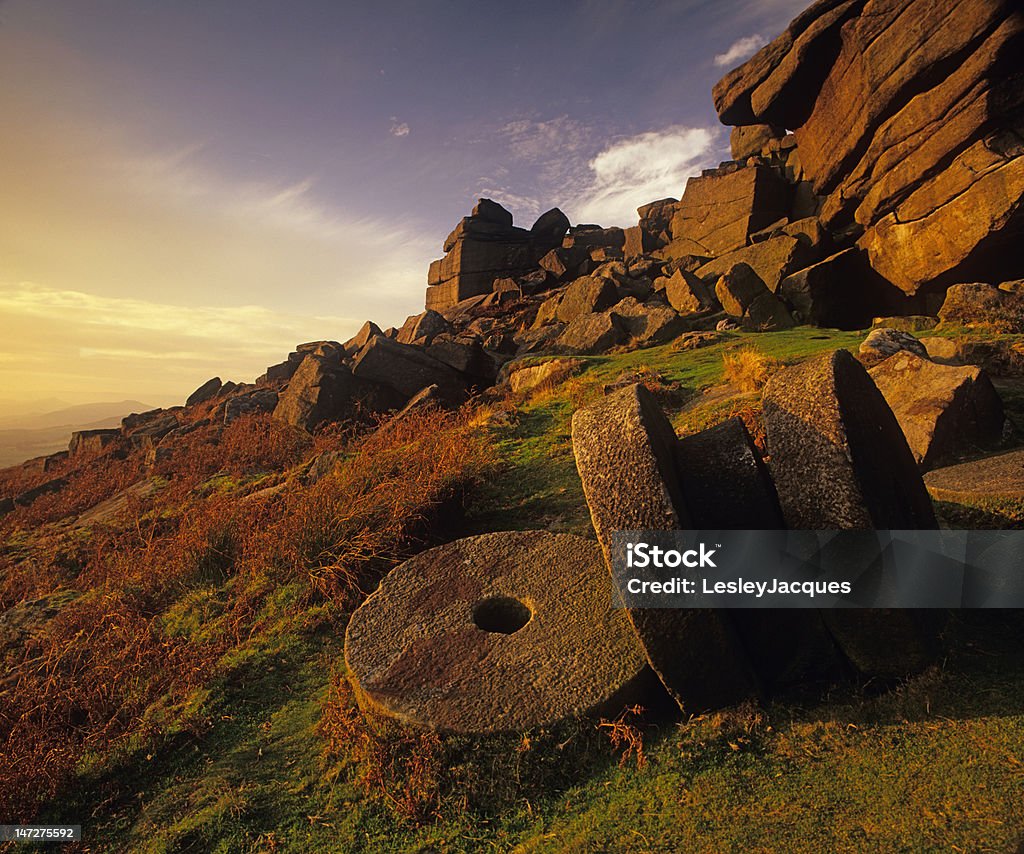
<point x="841" y="461"/>
<point x="996" y="478"/>
<point x="495" y="633"/>
<point x="625" y="454"/>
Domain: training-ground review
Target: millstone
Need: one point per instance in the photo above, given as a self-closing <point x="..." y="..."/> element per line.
<point x="841" y="461"/>
<point x="726" y="486"/>
<point x="495" y="633"/>
<point x="1000" y="477"/>
<point x="625" y="454"/>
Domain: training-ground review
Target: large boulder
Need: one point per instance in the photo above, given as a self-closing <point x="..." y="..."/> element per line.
<point x="423" y="328"/>
<point x="944" y="411"/>
<point x="92" y="441"/>
<point x="840" y="292"/>
<point x="656" y="218"/>
<point x="548" y="230"/>
<point x="563" y="263"/>
<point x="743" y="294"/>
<point x="406" y="369"/>
<point x="772" y="260"/>
<point x="686" y="292"/>
<point x="978" y="304"/>
<point x="358" y="341"/>
<point x="585" y="296"/>
<point x="592" y="333"/>
<point x="522" y="378"/>
<point x="467" y="356"/>
<point x="319" y="391"/>
<point x="253" y="402"/>
<point x="719" y="211"/>
<point x="625" y="454"/>
<point x="207" y="391"/>
<point x="647" y="325"/>
<point x="589" y="236"/>
<point x="753" y="140"/>
<point x="495" y="633"/>
<point x="884" y="342"/>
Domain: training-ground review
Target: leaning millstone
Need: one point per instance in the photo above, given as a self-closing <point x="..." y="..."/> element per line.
<point x="838" y="455"/>
<point x="726" y="486"/>
<point x="496" y="633"/>
<point x="840" y="461"/>
<point x="625" y="449"/>
<point x="723" y="481"/>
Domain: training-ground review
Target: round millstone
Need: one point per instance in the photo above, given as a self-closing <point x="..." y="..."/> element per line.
<point x="496" y="633"/>
<point x="1000" y="477"/>
<point x="625" y="451"/>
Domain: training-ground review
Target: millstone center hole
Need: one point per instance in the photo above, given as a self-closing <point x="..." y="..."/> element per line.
<point x="501" y="615"/>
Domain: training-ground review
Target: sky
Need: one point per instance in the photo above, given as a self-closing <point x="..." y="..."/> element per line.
<point x="190" y="188"/>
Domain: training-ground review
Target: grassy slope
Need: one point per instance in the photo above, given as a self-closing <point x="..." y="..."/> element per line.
<point x="937" y="765"/>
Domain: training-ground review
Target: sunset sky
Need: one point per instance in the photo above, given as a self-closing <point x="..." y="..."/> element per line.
<point x="193" y="187"/>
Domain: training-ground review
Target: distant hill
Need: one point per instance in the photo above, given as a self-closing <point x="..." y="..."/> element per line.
<point x="32" y="435"/>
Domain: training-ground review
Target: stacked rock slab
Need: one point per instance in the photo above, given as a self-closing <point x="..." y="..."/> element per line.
<point x="625" y="454"/>
<point x="840" y="461"/>
<point x="496" y="633"/>
<point x="908" y="119"/>
<point x="486" y="246"/>
<point x="720" y="210"/>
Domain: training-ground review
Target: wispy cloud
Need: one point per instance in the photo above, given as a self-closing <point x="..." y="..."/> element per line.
<point x="569" y="163"/>
<point x="633" y="171"/>
<point x="150" y="349"/>
<point x="251" y="328"/>
<point x="398" y="128"/>
<point x="550" y="156"/>
<point x="740" y="50"/>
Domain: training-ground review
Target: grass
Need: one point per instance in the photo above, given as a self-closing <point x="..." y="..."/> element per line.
<point x="252" y="742"/>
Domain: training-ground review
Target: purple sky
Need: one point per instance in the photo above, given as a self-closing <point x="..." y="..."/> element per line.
<point x="191" y="188"/>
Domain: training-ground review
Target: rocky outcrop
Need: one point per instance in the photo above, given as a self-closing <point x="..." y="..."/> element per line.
<point x="92" y="441"/>
<point x="486" y="246"/>
<point x="406" y="369"/>
<point x="253" y="402"/>
<point x="908" y="117"/>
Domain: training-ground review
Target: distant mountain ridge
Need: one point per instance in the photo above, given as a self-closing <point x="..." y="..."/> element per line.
<point x="84" y="414"/>
<point x="23" y="437"/>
